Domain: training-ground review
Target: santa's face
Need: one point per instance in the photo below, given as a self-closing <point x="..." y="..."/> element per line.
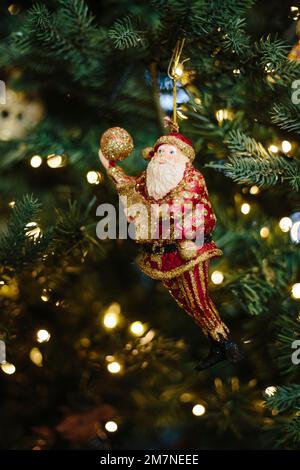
<point x="165" y="170"/>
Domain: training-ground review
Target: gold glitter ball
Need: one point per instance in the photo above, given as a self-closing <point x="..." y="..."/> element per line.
<point x="116" y="144"/>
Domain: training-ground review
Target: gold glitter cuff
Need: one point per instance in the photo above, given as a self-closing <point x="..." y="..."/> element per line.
<point x="165" y="275"/>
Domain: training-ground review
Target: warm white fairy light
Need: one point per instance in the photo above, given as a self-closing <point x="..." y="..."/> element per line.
<point x="296" y="290"/>
<point x="264" y="232"/>
<point x="55" y="161"/>
<point x="114" y="367"/>
<point x="36" y="357"/>
<point x="273" y="148"/>
<point x="34" y="230"/>
<point x="137" y="328"/>
<point x="93" y="177"/>
<point x="111" y="426"/>
<point x="254" y="190"/>
<point x="222" y="114"/>
<point x="198" y="410"/>
<point x="110" y="320"/>
<point x="43" y="336"/>
<point x="285" y="224"/>
<point x="178" y="71"/>
<point x="12" y="204"/>
<point x="270" y="391"/>
<point x="245" y="208"/>
<point x="286" y="146"/>
<point x="236" y="72"/>
<point x="35" y="161"/>
<point x="217" y="277"/>
<point x="8" y="368"/>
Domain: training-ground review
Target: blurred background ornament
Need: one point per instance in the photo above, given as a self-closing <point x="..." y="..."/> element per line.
<point x="19" y="114"/>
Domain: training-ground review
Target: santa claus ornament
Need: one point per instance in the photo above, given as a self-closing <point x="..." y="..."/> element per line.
<point x="172" y="191"/>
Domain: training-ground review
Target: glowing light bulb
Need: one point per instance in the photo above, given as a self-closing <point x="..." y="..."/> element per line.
<point x="285" y="224"/>
<point x="296" y="290"/>
<point x="36" y="161"/>
<point x="34" y="230"/>
<point x="273" y="148"/>
<point x="264" y="232"/>
<point x="55" y="161"/>
<point x="111" y="426"/>
<point x="137" y="328"/>
<point x="254" y="190"/>
<point x="217" y="277"/>
<point x="114" y="367"/>
<point x="178" y="71"/>
<point x="93" y="177"/>
<point x="236" y="72"/>
<point x="222" y="114"/>
<point x="8" y="368"/>
<point x="245" y="208"/>
<point x="286" y="146"/>
<point x="43" y="336"/>
<point x="270" y="391"/>
<point x="36" y="357"/>
<point x="12" y="204"/>
<point x="198" y="410"/>
<point x="110" y="320"/>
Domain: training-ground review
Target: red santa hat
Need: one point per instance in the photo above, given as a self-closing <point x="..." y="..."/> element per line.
<point x="174" y="138"/>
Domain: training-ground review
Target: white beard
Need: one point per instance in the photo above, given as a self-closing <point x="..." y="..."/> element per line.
<point x="162" y="178"/>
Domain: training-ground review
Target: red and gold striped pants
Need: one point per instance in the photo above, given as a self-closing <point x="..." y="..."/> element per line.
<point x="190" y="290"/>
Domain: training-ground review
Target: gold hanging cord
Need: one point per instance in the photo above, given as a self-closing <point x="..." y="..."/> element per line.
<point x="175" y="70"/>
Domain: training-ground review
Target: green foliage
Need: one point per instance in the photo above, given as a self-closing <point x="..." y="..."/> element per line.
<point x="124" y="34"/>
<point x="251" y="163"/>
<point x="18" y="245"/>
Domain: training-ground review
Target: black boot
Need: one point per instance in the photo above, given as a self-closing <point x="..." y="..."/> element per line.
<point x="222" y="350"/>
<point x="215" y="355"/>
<point x="233" y="353"/>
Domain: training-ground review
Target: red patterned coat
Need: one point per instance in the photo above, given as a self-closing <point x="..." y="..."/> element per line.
<point x="190" y="192"/>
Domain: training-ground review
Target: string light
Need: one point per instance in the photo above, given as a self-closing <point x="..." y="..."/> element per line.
<point x="12" y="204"/>
<point x="111" y="317"/>
<point x="114" y="367"/>
<point x="197" y="100"/>
<point x="36" y="357"/>
<point x="286" y="146"/>
<point x="110" y="320"/>
<point x="254" y="190"/>
<point x="45" y="296"/>
<point x="137" y="328"/>
<point x="236" y="72"/>
<point x="198" y="410"/>
<point x="217" y="277"/>
<point x="294" y="13"/>
<point x="93" y="177"/>
<point x="296" y="290"/>
<point x="34" y="230"/>
<point x="111" y="426"/>
<point x="285" y="224"/>
<point x="8" y="368"/>
<point x="36" y="161"/>
<point x="55" y="161"/>
<point x="178" y="71"/>
<point x="264" y="232"/>
<point x="245" y="208"/>
<point x="270" y="391"/>
<point x="43" y="336"/>
<point x="273" y="148"/>
<point x="223" y="114"/>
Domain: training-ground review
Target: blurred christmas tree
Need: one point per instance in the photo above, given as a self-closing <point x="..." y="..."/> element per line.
<point x="98" y="355"/>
